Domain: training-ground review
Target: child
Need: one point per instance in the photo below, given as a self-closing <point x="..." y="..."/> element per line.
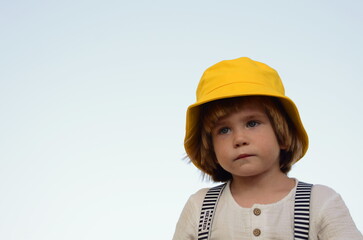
<point x="245" y="132"/>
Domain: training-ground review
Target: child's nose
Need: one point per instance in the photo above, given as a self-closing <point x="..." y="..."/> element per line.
<point x="240" y="139"/>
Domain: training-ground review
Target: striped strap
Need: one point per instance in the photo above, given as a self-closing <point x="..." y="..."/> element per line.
<point x="302" y="211"/>
<point x="208" y="209"/>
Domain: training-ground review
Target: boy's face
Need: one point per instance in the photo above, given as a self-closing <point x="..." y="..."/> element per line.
<point x="245" y="143"/>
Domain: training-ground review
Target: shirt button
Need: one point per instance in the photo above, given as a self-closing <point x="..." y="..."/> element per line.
<point x="257" y="211"/>
<point x="257" y="232"/>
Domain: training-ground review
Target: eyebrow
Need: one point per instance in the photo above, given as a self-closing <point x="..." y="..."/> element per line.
<point x="255" y="115"/>
<point x="247" y="117"/>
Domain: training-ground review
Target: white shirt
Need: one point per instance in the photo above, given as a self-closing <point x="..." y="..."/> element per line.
<point x="329" y="218"/>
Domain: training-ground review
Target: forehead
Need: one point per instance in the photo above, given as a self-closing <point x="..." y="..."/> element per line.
<point x="251" y="104"/>
<point x="250" y="107"/>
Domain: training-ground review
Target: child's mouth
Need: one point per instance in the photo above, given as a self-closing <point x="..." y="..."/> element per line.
<point x="243" y="156"/>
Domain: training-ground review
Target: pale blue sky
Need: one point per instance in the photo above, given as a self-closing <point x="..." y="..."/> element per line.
<point x="93" y="97"/>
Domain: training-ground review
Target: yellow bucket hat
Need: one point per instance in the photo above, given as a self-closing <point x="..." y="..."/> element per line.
<point x="235" y="78"/>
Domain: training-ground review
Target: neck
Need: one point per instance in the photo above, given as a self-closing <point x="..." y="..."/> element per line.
<point x="266" y="189"/>
<point x="261" y="183"/>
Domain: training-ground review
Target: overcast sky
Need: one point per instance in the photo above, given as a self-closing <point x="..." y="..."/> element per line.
<point x="93" y="96"/>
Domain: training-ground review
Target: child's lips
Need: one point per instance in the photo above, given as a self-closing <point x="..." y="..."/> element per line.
<point x="241" y="156"/>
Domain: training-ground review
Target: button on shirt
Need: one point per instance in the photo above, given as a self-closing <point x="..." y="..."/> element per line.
<point x="257" y="211"/>
<point x="257" y="232"/>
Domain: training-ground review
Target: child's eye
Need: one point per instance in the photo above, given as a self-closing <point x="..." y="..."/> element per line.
<point x="224" y="130"/>
<point x="251" y="124"/>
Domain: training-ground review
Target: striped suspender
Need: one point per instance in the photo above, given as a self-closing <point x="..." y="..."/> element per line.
<point x="208" y="209"/>
<point x="301" y="211"/>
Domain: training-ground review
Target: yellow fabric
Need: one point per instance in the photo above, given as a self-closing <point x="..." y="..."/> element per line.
<point x="240" y="77"/>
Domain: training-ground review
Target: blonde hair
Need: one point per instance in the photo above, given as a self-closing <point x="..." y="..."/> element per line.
<point x="202" y="151"/>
